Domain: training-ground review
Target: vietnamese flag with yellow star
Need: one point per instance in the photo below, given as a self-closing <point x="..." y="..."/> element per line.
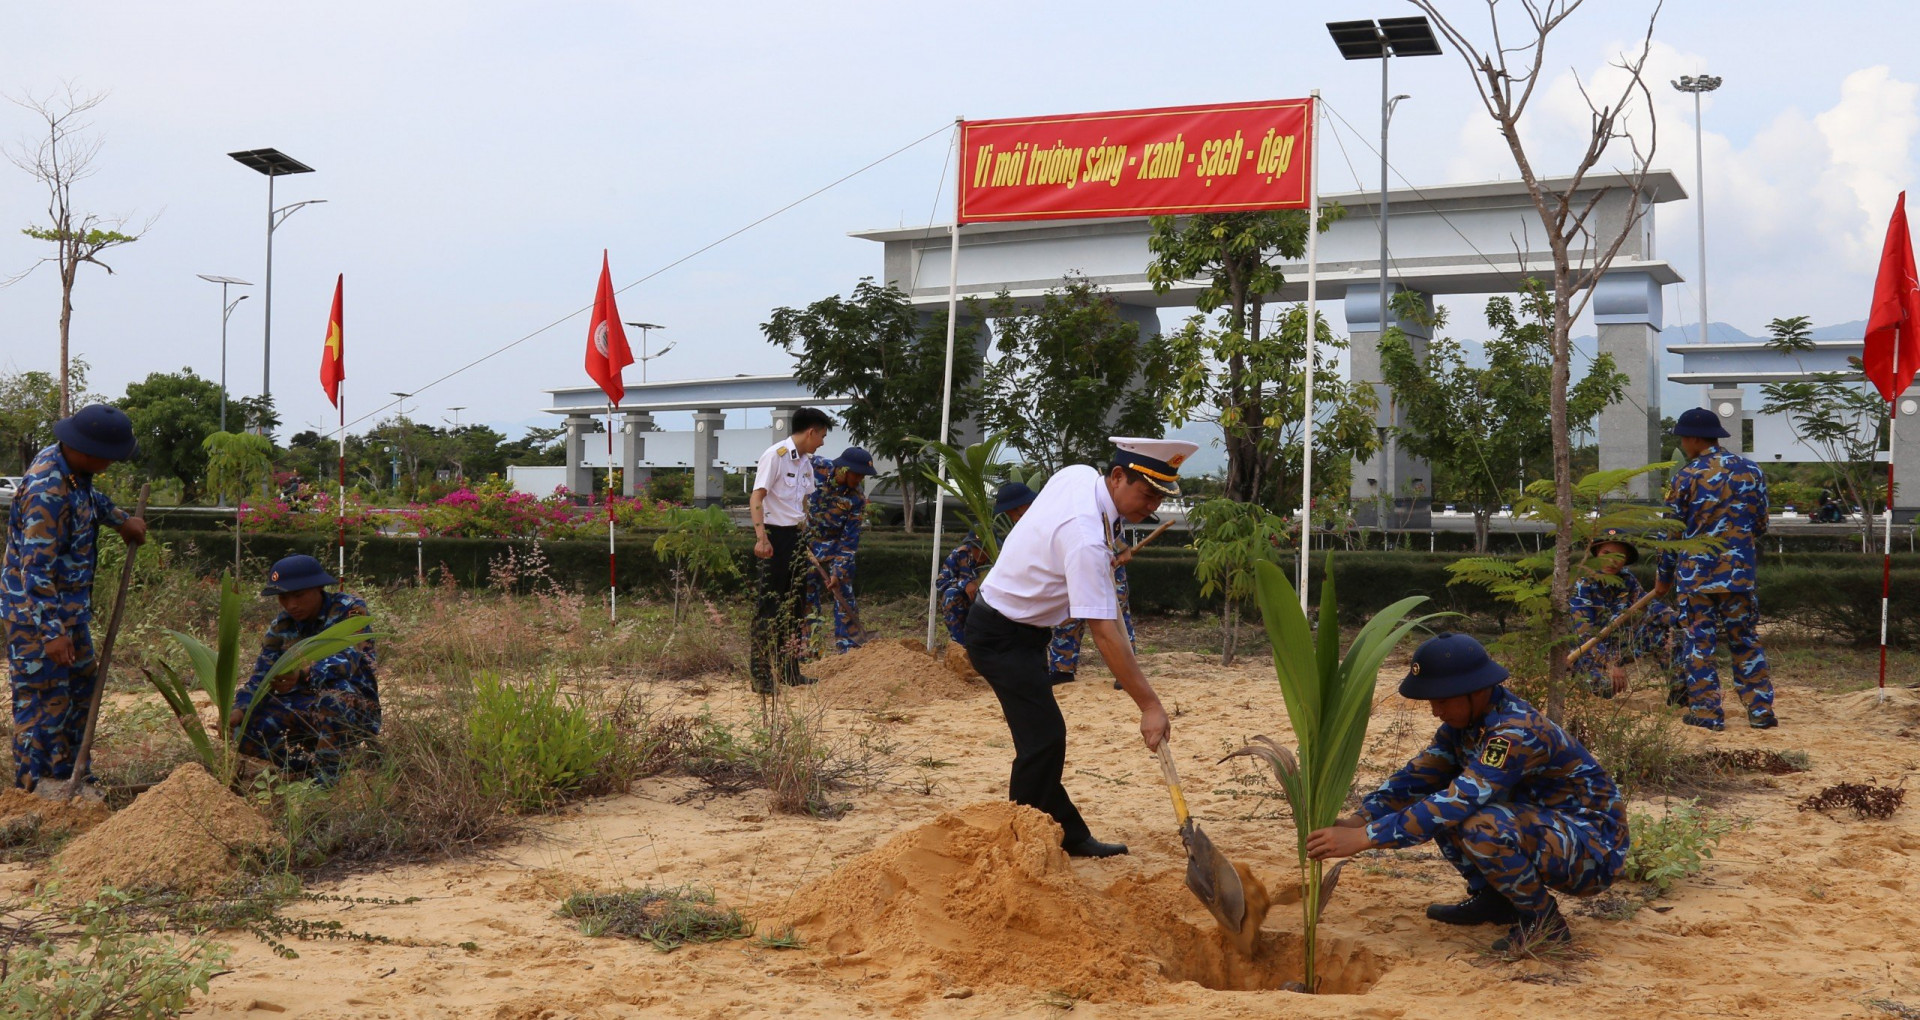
<point x="333" y="360"/>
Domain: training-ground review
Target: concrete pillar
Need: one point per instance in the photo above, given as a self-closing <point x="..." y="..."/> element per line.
<point x="1728" y="402"/>
<point x="1391" y="473"/>
<point x="709" y="482"/>
<point x="1906" y="452"/>
<point x="581" y="429"/>
<point x="1627" y="310"/>
<point x="634" y="450"/>
<point x="782" y="421"/>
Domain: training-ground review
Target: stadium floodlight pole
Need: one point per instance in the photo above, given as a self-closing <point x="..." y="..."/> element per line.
<point x="1383" y="40"/>
<point x="1698" y="84"/>
<point x="226" y="312"/>
<point x="644" y="328"/>
<point x="273" y="163"/>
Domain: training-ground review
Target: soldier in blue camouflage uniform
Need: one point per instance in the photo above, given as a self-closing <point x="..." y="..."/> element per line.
<point x="1516" y="805"/>
<point x="1063" y="652"/>
<point x="836" y="514"/>
<point x="308" y="719"/>
<point x="46" y="588"/>
<point x="1604" y="592"/>
<point x="1720" y="495"/>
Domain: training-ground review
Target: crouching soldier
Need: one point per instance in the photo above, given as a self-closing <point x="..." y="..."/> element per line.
<point x="308" y="718"/>
<point x="1516" y="805"/>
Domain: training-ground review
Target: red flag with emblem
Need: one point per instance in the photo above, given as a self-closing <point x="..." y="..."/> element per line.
<point x="607" y="351"/>
<point x="333" y="358"/>
<point x="1893" y="326"/>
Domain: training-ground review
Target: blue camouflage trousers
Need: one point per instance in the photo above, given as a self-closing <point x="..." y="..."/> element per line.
<point x="1523" y="852"/>
<point x="836" y="601"/>
<point x="1707" y="618"/>
<point x="49" y="704"/>
<point x="298" y="733"/>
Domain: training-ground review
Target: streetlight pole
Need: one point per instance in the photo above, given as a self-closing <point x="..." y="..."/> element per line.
<point x="405" y="435"/>
<point x="1698" y="84"/>
<point x="273" y="163"/>
<point x="645" y="328"/>
<point x="226" y="312"/>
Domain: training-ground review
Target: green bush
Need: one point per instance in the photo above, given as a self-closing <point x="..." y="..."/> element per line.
<point x="667" y="918"/>
<point x="1665" y="850"/>
<point x="96" y="960"/>
<point x="535" y="746"/>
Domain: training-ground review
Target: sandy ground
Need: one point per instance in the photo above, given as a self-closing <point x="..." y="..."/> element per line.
<point x="1800" y="915"/>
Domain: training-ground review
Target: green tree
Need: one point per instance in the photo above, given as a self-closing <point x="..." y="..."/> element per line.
<point x="238" y="464"/>
<point x="1488" y="429"/>
<point x="1839" y="416"/>
<point x="538" y="446"/>
<point x="1272" y="380"/>
<point x="876" y="351"/>
<point x="29" y="405"/>
<point x="61" y="157"/>
<point x="173" y="413"/>
<point x="1070" y="373"/>
<point x="1228" y="539"/>
<point x="1239" y="257"/>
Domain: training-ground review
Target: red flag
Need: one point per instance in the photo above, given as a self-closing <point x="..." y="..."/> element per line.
<point x="1894" y="323"/>
<point x="333" y="359"/>
<point x="607" y="351"/>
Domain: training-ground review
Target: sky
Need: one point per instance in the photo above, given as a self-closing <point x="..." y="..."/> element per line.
<point x="476" y="157"/>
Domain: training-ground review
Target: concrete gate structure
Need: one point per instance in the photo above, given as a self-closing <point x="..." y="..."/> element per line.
<point x="1480" y="238"/>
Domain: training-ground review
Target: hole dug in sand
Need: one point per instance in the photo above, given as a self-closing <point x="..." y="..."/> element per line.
<point x="984" y="896"/>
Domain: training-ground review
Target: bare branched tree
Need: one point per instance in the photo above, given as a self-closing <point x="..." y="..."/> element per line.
<point x="58" y="159"/>
<point x="1506" y="72"/>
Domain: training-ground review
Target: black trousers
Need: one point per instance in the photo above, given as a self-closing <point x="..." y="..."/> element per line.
<point x="1012" y="656"/>
<point x="778" y="614"/>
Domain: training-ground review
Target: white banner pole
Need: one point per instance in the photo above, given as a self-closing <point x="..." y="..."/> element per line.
<point x="1313" y="294"/>
<point x="946" y="392"/>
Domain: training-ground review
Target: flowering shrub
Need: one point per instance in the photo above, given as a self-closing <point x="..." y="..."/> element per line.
<point x="316" y="515"/>
<point x="493" y="511"/>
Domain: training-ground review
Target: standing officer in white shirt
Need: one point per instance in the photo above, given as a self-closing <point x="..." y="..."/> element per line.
<point x="1054" y="566"/>
<point x="781" y="485"/>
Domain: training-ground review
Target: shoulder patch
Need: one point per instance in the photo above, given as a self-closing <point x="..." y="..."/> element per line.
<point x="1494" y="753"/>
<point x="781" y="452"/>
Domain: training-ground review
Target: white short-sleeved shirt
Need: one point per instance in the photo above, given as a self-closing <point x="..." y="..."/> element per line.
<point x="787" y="475"/>
<point x="1056" y="565"/>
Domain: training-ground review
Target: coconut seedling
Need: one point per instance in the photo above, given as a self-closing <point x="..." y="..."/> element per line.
<point x="1329" y="700"/>
<point x="965" y="477"/>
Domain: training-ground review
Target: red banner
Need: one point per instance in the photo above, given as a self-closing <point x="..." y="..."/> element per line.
<point x="1229" y="157"/>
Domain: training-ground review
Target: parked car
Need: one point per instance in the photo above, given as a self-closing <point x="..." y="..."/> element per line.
<point x="8" y="484"/>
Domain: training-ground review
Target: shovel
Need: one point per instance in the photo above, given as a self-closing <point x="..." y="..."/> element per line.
<point x="83" y="757"/>
<point x="858" y="631"/>
<point x="1210" y="876"/>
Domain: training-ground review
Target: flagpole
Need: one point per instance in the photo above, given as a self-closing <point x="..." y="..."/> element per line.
<point x="340" y="539"/>
<point x="613" y="594"/>
<point x="1886" y="562"/>
<point x="946" y="391"/>
<point x="1313" y="293"/>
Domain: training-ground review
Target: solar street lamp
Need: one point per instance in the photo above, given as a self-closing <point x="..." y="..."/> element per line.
<point x="273" y="163"/>
<point x="1698" y="84"/>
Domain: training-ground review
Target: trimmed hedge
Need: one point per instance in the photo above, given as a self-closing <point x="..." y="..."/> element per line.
<point x="1832" y="593"/>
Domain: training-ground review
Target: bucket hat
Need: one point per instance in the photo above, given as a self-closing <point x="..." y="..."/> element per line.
<point x="296" y="573"/>
<point x="98" y="430"/>
<point x="1449" y="665"/>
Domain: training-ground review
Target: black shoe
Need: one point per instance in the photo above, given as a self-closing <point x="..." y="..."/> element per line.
<point x="1483" y="907"/>
<point x="1762" y="719"/>
<point x="1090" y="847"/>
<point x="800" y="680"/>
<point x="1710" y="725"/>
<point x="1058" y="677"/>
<point x="1677" y="697"/>
<point x="1526" y="936"/>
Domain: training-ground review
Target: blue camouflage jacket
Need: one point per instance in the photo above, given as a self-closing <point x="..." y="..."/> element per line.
<point x="1722" y="495"/>
<point x="46" y="585"/>
<point x="1514" y="755"/>
<point x="342" y="684"/>
<point x="1594" y="604"/>
<point x="835" y="517"/>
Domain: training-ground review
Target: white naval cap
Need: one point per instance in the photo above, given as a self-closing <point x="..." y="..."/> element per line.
<point x="1156" y="460"/>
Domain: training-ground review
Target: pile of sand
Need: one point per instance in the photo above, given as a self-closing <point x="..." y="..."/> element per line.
<point x="980" y="896"/>
<point x="888" y="674"/>
<point x="24" y="812"/>
<point x="188" y="834"/>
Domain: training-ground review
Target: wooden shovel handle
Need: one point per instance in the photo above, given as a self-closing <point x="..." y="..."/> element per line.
<point x="1155" y="533"/>
<point x="1173" y="782"/>
<point x="83" y="758"/>
<point x="1587" y="645"/>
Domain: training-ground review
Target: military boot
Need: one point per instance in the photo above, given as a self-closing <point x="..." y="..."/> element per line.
<point x="1529" y="936"/>
<point x="1483" y="907"/>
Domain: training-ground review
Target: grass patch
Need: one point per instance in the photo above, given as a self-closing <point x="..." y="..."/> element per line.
<point x="1641" y="749"/>
<point x="786" y="939"/>
<point x="665" y="918"/>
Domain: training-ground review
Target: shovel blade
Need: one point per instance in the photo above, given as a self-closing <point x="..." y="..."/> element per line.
<point x="1212" y="880"/>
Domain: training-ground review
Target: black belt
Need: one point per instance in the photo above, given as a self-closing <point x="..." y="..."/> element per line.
<point x="980" y="605"/>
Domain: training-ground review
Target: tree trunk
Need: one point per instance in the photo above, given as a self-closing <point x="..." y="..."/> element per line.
<point x="68" y="267"/>
<point x="906" y="496"/>
<point x="1229" y="631"/>
<point x="1562" y="492"/>
<point x="1482" y="518"/>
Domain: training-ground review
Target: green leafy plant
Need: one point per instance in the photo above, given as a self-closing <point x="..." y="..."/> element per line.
<point x="967" y="479"/>
<point x="238" y="465"/>
<point x="534" y="745"/>
<point x="1665" y="850"/>
<point x="1329" y="702"/>
<point x="696" y="543"/>
<point x="1229" y="538"/>
<point x="666" y="918"/>
<point x="216" y="671"/>
<point x="97" y="960"/>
